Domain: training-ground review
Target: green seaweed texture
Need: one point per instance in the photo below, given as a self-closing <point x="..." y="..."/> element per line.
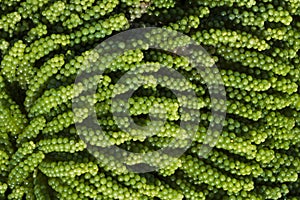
<point x="45" y="43"/>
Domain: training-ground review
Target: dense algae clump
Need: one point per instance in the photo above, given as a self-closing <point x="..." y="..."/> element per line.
<point x="45" y="43"/>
